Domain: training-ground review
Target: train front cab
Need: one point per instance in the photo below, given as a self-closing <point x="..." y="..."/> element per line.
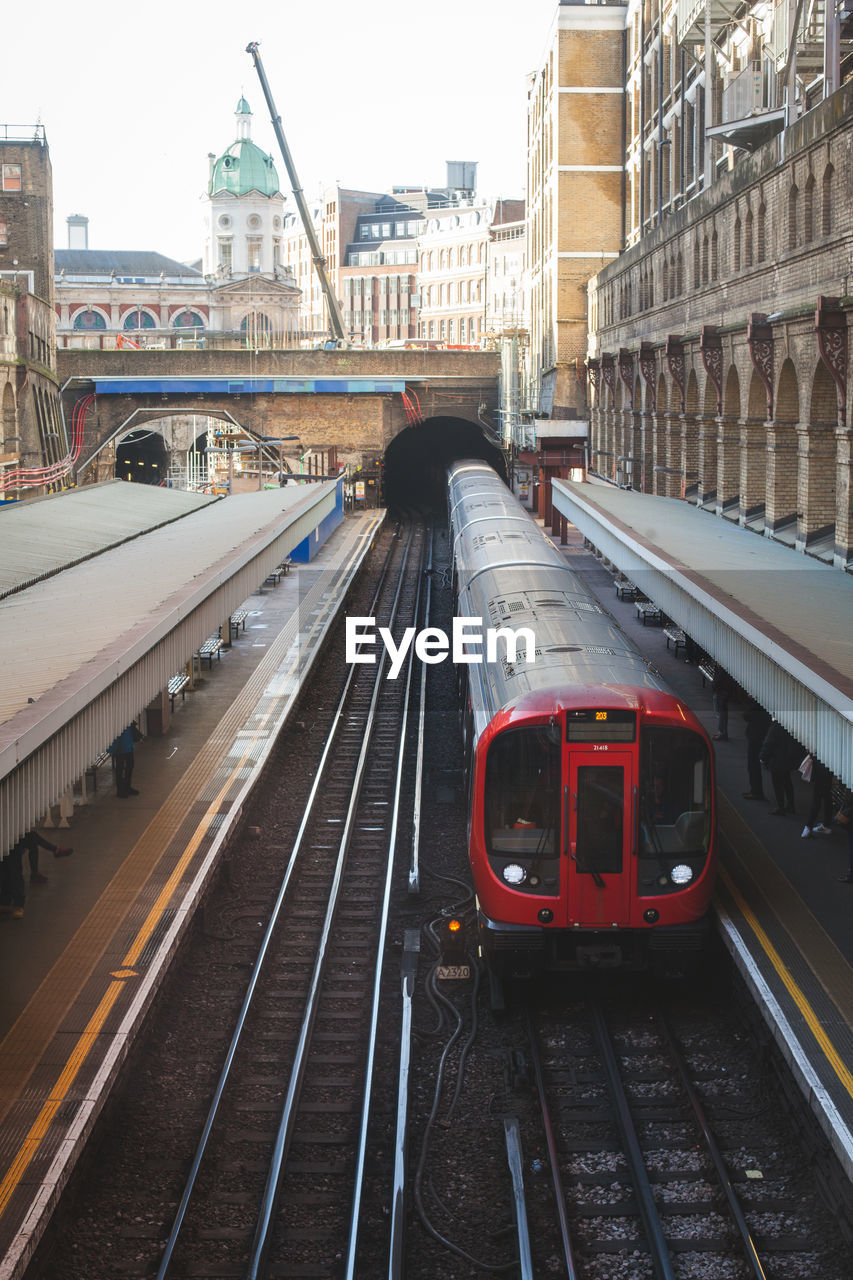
<point x="592" y="839"/>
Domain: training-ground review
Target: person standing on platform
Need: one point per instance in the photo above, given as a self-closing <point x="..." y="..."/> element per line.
<point x="820" y="781"/>
<point x="777" y="754"/>
<point x="121" y="749"/>
<point x="721" y="687"/>
<point x="757" y="723"/>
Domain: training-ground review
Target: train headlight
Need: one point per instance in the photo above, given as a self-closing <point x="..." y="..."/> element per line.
<point x="682" y="874"/>
<point x="514" y="874"/>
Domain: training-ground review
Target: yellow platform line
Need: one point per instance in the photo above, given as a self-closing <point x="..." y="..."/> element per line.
<point x="40" y="1127"/>
<point x="827" y="1047"/>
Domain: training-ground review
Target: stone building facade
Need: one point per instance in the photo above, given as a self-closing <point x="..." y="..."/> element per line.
<point x="33" y="436"/>
<point x="718" y="350"/>
<point x="574" y="191"/>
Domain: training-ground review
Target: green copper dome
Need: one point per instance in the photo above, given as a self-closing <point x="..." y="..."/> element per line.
<point x="244" y="168"/>
<point x="243" y="108"/>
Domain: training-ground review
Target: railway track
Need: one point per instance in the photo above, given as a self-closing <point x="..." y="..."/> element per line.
<point x="291" y="1106"/>
<point x="665" y="1162"/>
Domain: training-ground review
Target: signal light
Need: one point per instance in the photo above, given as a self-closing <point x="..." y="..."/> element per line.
<point x="453" y="941"/>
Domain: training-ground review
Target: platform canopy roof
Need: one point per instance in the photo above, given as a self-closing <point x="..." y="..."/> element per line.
<point x="106" y="593"/>
<point x="778" y="621"/>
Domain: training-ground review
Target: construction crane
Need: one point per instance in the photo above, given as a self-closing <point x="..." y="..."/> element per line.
<point x="336" y="319"/>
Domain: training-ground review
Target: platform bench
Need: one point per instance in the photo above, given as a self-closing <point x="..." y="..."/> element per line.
<point x="647" y="611"/>
<point x="238" y="620"/>
<point x="279" y="572"/>
<point x="178" y="685"/>
<point x="707" y="670"/>
<point x="211" y="646"/>
<point x="677" y="636"/>
<point x="625" y="590"/>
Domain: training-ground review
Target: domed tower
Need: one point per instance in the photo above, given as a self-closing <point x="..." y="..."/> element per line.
<point x="244" y="208"/>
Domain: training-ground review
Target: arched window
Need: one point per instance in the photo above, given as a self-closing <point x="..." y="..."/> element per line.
<point x="188" y="320"/>
<point x="715" y="256"/>
<point x="705" y="263"/>
<point x="793" y="197"/>
<point x="139" y="319"/>
<point x="826" y="210"/>
<point x="737" y="248"/>
<point x="255" y="322"/>
<point x="89" y="320"/>
<point x="761" y="237"/>
<point x="747" y="239"/>
<point x="808" y="210"/>
<point x="697" y="265"/>
<point x="679" y="276"/>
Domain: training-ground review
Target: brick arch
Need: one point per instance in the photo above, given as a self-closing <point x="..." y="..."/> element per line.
<point x="781" y="486"/>
<point x="662" y="394"/>
<point x="756" y="404"/>
<point x="9" y="417"/>
<point x="691" y="395"/>
<point x="787" y="399"/>
<point x="731" y="393"/>
<point x="709" y="399"/>
<point x="817" y="473"/>
<point x="823" y="405"/>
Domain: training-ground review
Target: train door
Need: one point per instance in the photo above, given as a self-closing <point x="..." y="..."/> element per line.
<point x="598" y="834"/>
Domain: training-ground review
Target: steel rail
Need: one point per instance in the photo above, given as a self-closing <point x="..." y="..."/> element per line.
<point x="266" y="942"/>
<point x="414" y="865"/>
<point x="660" y="1255"/>
<point x="713" y="1150"/>
<point x="512" y="1137"/>
<point x="550" y="1142"/>
<point x="263" y="1231"/>
<point x="361" y="1156"/>
<point x="396" y="1259"/>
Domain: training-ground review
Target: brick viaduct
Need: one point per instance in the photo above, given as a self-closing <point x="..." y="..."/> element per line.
<point x="446" y="385"/>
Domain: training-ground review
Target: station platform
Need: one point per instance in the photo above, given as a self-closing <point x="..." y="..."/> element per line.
<point x="781" y="909"/>
<point x="82" y="966"/>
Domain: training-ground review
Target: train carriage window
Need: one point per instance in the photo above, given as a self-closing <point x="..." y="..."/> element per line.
<point x="522" y="797"/>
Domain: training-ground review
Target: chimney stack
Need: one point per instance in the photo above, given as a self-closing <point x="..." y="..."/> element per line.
<point x="78" y="231"/>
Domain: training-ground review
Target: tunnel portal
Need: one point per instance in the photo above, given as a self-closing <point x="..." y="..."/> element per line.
<point x="416" y="460"/>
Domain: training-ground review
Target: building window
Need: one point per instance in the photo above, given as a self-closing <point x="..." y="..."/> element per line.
<point x="826" y="211"/>
<point x="12" y="180"/>
<point x="792" y="217"/>
<point x="89" y="320"/>
<point x="254" y="247"/>
<point x="138" y="319"/>
<point x="4" y="233"/>
<point x="188" y="320"/>
<point x="225" y="253"/>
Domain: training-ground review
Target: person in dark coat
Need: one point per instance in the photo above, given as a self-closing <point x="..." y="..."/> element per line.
<point x="121" y="749"/>
<point x="758" y="721"/>
<point x="721" y="688"/>
<point x="778" y="752"/>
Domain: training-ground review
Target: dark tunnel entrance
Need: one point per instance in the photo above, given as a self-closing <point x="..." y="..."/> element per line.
<point x="142" y="458"/>
<point x="416" y="460"/>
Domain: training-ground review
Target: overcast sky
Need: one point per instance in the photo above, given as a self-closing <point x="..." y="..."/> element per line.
<point x="377" y="94"/>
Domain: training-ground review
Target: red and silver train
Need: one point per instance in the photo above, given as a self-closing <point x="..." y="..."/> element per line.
<point x="590" y="785"/>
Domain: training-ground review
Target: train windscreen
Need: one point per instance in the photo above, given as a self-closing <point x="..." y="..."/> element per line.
<point x="674" y="804"/>
<point x="522" y="800"/>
